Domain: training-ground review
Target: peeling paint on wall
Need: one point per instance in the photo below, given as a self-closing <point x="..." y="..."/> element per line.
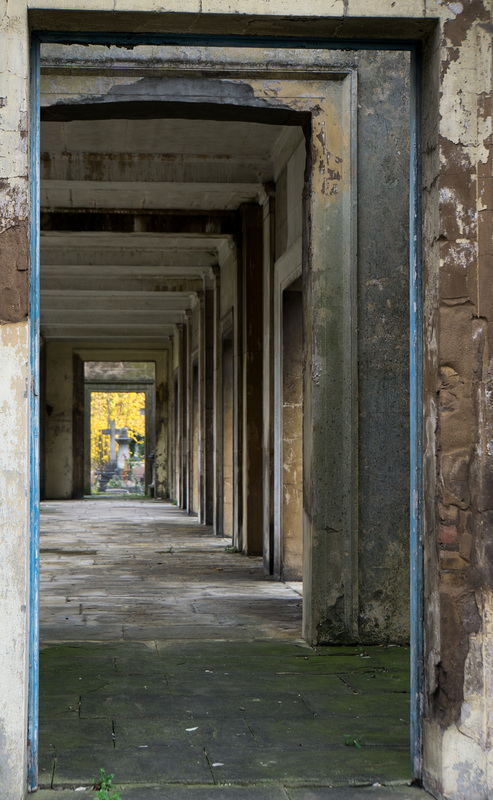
<point x="14" y="273"/>
<point x="456" y="764"/>
<point x="14" y="528"/>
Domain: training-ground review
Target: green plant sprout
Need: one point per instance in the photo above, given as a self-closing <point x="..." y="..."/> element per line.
<point x="104" y="787"/>
<point x="350" y="741"/>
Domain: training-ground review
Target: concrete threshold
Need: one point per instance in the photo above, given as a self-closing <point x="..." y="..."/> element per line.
<point x="171" y="792"/>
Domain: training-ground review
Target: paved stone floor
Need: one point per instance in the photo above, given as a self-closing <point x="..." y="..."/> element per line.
<point x="171" y="661"/>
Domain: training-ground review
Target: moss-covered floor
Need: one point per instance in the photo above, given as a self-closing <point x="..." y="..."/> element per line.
<point x="170" y="661"/>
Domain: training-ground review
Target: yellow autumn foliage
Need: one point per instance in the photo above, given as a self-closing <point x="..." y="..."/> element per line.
<point x="125" y="409"/>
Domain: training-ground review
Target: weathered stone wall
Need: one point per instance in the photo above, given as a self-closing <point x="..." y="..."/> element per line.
<point x="14" y="543"/>
<point x="15" y="392"/>
<point x="458" y="607"/>
<point x="292" y="435"/>
<point x="58" y="426"/>
<point x="14" y="273"/>
<point x="161" y="424"/>
<point x="383" y="346"/>
<point x="195" y="439"/>
<point x="227" y="430"/>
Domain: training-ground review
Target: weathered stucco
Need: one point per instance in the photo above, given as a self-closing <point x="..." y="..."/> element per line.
<point x="459" y="696"/>
<point x="14" y="543"/>
<point x="458" y="303"/>
<point x="14" y="274"/>
<point x="58" y="422"/>
<point x="14" y="400"/>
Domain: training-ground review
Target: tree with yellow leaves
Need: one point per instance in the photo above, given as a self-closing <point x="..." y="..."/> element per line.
<point x="123" y="407"/>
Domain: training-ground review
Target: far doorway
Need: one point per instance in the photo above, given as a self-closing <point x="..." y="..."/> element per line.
<point x="118" y="426"/>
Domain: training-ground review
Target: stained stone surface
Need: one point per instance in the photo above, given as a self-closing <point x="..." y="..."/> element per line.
<point x="173" y="663"/>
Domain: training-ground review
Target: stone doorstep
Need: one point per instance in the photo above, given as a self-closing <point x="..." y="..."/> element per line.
<point x="254" y="792"/>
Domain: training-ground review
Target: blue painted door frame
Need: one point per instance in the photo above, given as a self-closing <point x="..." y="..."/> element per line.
<point x="416" y="341"/>
<point x="33" y="699"/>
<point x="416" y="418"/>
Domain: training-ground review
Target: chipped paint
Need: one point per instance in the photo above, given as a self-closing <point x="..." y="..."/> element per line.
<point x="14" y="527"/>
<point x="458" y="742"/>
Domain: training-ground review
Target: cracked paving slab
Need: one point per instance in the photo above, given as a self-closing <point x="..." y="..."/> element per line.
<point x="173" y="662"/>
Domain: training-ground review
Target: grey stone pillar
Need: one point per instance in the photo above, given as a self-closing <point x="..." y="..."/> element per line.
<point x="210" y="334"/>
<point x="252" y="366"/>
<point x="268" y="378"/>
<point x="187" y="438"/>
<point x="181" y="416"/>
<point x="201" y="408"/>
<point x="216" y="388"/>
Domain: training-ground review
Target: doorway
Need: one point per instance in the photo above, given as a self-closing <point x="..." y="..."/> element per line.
<point x="118" y="395"/>
<point x="331" y="368"/>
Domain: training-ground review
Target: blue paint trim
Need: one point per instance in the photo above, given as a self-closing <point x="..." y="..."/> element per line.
<point x="33" y="700"/>
<point x="416" y="419"/>
<point x="219" y="40"/>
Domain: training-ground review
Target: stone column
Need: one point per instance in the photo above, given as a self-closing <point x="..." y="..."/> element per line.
<point x="171" y="424"/>
<point x="217" y="467"/>
<point x="78" y="428"/>
<point x="59" y="421"/>
<point x="268" y="378"/>
<point x="187" y="431"/>
<point x="252" y="352"/>
<point x="201" y="461"/>
<point x="209" y="337"/>
<point x="180" y="431"/>
<point x="161" y="422"/>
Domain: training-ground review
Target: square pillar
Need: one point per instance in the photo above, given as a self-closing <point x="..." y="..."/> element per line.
<point x="251" y="264"/>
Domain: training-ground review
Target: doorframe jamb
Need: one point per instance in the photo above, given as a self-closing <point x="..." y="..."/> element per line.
<point x="33" y="688"/>
<point x="416" y="413"/>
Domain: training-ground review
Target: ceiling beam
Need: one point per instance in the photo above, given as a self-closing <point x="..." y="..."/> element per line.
<point x="57" y="298"/>
<point x="123" y="317"/>
<point x="192" y="273"/>
<point x="155" y="167"/>
<point x="106" y="331"/>
<point x="202" y="223"/>
<point x="106" y="284"/>
<point x="122" y="195"/>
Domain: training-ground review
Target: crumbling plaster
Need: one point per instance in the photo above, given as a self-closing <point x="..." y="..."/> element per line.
<point x="458" y="749"/>
<point x="14" y="180"/>
<point x="458" y="741"/>
<point x="14" y="401"/>
<point x="14" y="543"/>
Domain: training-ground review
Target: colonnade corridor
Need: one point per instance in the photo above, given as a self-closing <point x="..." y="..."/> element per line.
<point x="168" y="659"/>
